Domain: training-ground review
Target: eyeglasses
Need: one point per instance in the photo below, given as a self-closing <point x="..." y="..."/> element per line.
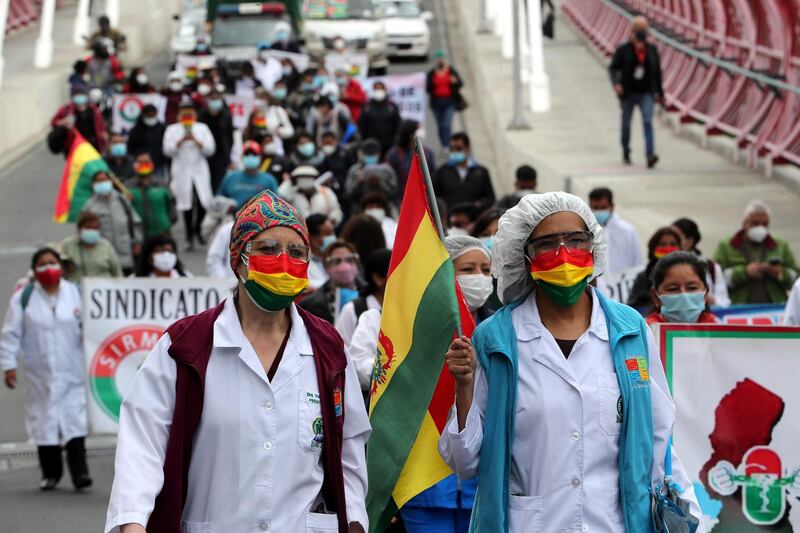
<point x="298" y="252"/>
<point x="576" y="240"/>
<point x="351" y="259"/>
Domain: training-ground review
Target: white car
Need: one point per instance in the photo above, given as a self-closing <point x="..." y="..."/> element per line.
<point x="407" y="29"/>
<point x="347" y="26"/>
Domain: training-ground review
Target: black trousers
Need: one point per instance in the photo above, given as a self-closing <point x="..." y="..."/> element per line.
<point x="52" y="465"/>
<point x="193" y="217"/>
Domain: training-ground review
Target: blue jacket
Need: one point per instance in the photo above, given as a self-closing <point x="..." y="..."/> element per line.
<point x="240" y="187"/>
<point x="495" y="343"/>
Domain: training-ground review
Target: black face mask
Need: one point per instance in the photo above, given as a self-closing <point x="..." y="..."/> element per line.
<point x="641" y="35"/>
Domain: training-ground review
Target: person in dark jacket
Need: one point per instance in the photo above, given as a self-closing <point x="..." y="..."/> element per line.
<point x="81" y="115"/>
<point x="119" y="161"/>
<point x="146" y="137"/>
<point x="379" y="118"/>
<point x="525" y="184"/>
<point x="342" y="266"/>
<point x="663" y="242"/>
<point x="461" y="179"/>
<point x="443" y="85"/>
<point x="337" y="161"/>
<point x="217" y="117"/>
<point x="635" y="72"/>
<point x="400" y="155"/>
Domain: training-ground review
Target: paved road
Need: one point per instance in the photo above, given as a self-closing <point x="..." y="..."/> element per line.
<point x="27" y="190"/>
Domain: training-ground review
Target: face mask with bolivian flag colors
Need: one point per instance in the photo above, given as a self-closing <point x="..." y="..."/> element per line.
<point x="662" y="251"/>
<point x="563" y="273"/>
<point x="274" y="282"/>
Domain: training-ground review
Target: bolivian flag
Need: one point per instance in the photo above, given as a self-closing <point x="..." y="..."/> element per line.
<point x="83" y="162"/>
<point x="412" y="391"/>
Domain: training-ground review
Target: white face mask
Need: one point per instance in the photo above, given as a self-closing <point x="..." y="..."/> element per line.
<point x="476" y="288"/>
<point x="377" y="213"/>
<point x="757" y="234"/>
<point x="379" y="95"/>
<point x="328" y="149"/>
<point x="204" y="89"/>
<point x="175" y="86"/>
<point x="142" y="79"/>
<point x="165" y="261"/>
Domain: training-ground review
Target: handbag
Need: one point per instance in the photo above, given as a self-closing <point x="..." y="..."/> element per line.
<point x="549" y="26"/>
<point x="460" y="102"/>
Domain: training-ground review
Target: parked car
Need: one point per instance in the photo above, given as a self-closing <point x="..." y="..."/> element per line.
<point x="407" y="31"/>
<point x="356" y="26"/>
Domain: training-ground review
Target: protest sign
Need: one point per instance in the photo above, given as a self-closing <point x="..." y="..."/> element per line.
<point x="618" y="285"/>
<point x="354" y="63"/>
<point x="407" y="91"/>
<point x="122" y="321"/>
<point x="128" y="107"/>
<point x="300" y="61"/>
<point x="241" y="106"/>
<point x="738" y="403"/>
<point x="191" y="66"/>
<point x="752" y="315"/>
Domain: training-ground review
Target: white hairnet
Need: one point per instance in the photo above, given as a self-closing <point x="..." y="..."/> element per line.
<point x="514" y="229"/>
<point x="458" y="245"/>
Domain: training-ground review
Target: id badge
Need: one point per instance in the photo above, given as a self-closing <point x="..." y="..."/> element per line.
<point x="638" y="73"/>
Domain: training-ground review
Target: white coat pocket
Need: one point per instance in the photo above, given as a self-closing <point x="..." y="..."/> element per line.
<point x="310" y="430"/>
<point x="320" y="522"/>
<point x="609" y="403"/>
<point x="197" y="527"/>
<point x="524" y="513"/>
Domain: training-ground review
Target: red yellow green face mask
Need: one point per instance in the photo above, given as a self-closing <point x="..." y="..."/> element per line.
<point x="661" y="251"/>
<point x="274" y="282"/>
<point x="563" y="274"/>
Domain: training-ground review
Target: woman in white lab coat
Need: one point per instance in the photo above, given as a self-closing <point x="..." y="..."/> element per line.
<point x="247" y="417"/>
<point x="189" y="143"/>
<point x="566" y="418"/>
<point x="43" y="328"/>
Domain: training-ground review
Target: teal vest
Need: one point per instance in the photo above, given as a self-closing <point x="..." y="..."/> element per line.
<point x="495" y="342"/>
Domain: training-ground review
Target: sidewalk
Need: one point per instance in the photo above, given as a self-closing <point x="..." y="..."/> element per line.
<point x="29" y="97"/>
<point x="579" y="138"/>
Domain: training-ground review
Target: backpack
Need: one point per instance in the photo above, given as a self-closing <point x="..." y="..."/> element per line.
<point x="359" y="306"/>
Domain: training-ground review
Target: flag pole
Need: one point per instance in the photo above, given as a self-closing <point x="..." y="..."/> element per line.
<point x="432" y="205"/>
<point x="426" y="174"/>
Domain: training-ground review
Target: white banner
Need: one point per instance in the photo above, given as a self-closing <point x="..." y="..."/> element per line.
<point x="128" y="107"/>
<point x="241" y="106"/>
<point x="184" y="63"/>
<point x="407" y="91"/>
<point x="300" y="61"/>
<point x="354" y="63"/>
<point x="122" y="320"/>
<point x="737" y="431"/>
<point x="617" y="285"/>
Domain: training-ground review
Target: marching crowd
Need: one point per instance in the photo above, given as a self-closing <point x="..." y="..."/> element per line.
<point x="334" y="160"/>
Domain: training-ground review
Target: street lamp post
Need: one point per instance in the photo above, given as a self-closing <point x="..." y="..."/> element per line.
<point x="539" y="85"/>
<point x="80" y="30"/>
<point x="43" y="53"/>
<point x="518" y="121"/>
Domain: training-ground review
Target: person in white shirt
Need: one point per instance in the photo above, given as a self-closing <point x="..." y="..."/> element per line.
<point x="43" y="328"/>
<point x="376" y="270"/>
<point x="568" y="415"/>
<point x="267" y="68"/>
<point x="189" y="143"/>
<point x="303" y="192"/>
<point x="321" y="235"/>
<point x="216" y="228"/>
<point x="230" y="425"/>
<point x="376" y="205"/>
<point x="624" y="245"/>
<point x="791" y="316"/>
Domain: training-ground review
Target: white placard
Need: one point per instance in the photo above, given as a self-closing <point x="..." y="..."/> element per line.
<point x="128" y="107"/>
<point x="407" y="91"/>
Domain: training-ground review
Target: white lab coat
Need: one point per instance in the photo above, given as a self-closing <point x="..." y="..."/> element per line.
<point x="189" y="165"/>
<point x="624" y="246"/>
<point x="47" y="336"/>
<point x="565" y="450"/>
<point x="389" y="227"/>
<point x="218" y="258"/>
<point x="791" y="316"/>
<point x="718" y="287"/>
<point x="268" y="71"/>
<point x="279" y="124"/>
<point x="364" y="345"/>
<point x="255" y="463"/>
<point x="347" y="319"/>
<point x="323" y="201"/>
<point x="317" y="275"/>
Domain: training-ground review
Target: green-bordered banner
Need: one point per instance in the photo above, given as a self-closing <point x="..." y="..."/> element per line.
<point x="737" y="395"/>
<point x="122" y="321"/>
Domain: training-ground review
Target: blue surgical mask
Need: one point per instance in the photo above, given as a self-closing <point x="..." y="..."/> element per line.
<point x="456" y="158"/>
<point x="251" y="161"/>
<point x="90" y="236"/>
<point x="488" y="242"/>
<point x="287" y="71"/>
<point x="326" y="242"/>
<point x="215" y="105"/>
<point x="103" y="188"/>
<point x="684" y="307"/>
<point x="306" y="149"/>
<point x="319" y="81"/>
<point x="279" y="93"/>
<point x="371" y="159"/>
<point x="341" y="80"/>
<point x="80" y="99"/>
<point x="602" y="216"/>
<point x="118" y="150"/>
<point x="307" y="87"/>
<point x="282" y="36"/>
